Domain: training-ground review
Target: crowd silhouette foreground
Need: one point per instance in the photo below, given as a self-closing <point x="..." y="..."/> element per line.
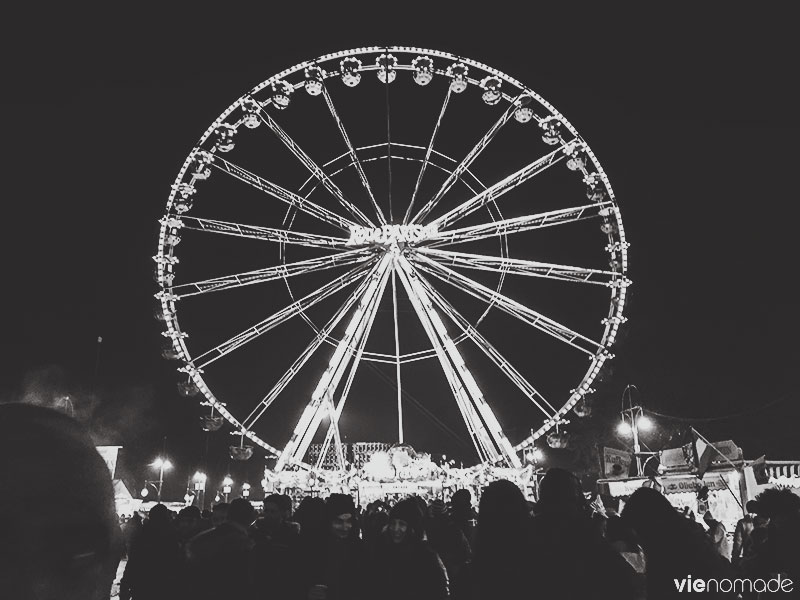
<point x="61" y="539"/>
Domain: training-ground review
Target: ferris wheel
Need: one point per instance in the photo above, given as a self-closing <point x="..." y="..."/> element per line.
<point x="394" y="202"/>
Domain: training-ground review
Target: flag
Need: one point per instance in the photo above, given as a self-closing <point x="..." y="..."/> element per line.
<point x="701" y="453"/>
<point x="759" y="467"/>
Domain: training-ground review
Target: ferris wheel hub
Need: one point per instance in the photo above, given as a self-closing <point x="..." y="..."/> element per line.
<point x="389" y="235"/>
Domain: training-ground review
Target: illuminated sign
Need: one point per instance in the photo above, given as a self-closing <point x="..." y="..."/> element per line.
<point x="390" y="234"/>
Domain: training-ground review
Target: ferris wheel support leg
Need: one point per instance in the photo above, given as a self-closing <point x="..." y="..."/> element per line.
<point x="333" y="433"/>
<point x="357" y="327"/>
<point x="478" y="436"/>
<point x="488" y="428"/>
<point x="397" y="362"/>
<point x="333" y="427"/>
<point x="487" y="348"/>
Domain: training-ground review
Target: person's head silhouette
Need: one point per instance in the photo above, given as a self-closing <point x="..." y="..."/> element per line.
<point x="59" y="532"/>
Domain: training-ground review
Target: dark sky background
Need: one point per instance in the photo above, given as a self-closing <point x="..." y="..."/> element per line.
<point x="693" y="117"/>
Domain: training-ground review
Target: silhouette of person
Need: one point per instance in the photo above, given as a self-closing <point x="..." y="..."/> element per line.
<point x="59" y="532"/>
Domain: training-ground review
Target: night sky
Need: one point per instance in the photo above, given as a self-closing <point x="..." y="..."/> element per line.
<point x="692" y="116"/>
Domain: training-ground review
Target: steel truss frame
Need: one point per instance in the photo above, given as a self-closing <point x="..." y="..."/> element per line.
<point x="371" y="265"/>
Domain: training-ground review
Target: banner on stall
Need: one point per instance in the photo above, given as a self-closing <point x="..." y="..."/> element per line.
<point x="616" y="463"/>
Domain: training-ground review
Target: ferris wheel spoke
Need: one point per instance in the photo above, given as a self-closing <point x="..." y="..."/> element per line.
<point x="359" y="326"/>
<point x="427" y="155"/>
<point x="364" y="290"/>
<point x="487" y="348"/>
<point x="506" y="304"/>
<point x="315" y="170"/>
<point x="296" y="308"/>
<point x="356" y="162"/>
<point x="269" y="234"/>
<point x="479" y="147"/>
<point x="515" y="266"/>
<point x="503" y="186"/>
<point x="280" y="193"/>
<point x="238" y="280"/>
<point x="336" y="411"/>
<point x="490" y="441"/>
<point x="519" y="224"/>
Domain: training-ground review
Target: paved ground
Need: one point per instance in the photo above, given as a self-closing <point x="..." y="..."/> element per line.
<point x="120" y="571"/>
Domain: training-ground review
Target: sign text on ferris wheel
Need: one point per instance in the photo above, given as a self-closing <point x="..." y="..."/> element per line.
<point x="390" y="234"/>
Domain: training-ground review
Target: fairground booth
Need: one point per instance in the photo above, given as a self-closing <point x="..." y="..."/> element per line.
<point x="724" y="488"/>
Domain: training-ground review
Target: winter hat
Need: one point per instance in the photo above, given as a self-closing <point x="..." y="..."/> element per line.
<point x="242" y="512"/>
<point x="339" y="504"/>
<point x="437" y="506"/>
<point x="408" y="510"/>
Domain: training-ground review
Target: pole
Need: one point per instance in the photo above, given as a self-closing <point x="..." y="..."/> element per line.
<point x="397" y="364"/>
<point x="160" y="480"/>
<point x="636" y="447"/>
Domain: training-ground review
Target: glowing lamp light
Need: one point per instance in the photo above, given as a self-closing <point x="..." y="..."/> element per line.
<point x="624" y="428"/>
<point x="644" y="423"/>
<point x="217" y="498"/>
<point x="162" y="463"/>
<point x="144" y="492"/>
<point x="534" y="455"/>
<point x="245" y="490"/>
<point x="227" y="481"/>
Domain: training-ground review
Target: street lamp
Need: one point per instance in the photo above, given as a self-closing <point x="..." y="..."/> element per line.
<point x="200" y="479"/>
<point x="227" y="484"/>
<point x="245" y="490"/>
<point x="162" y="464"/>
<point x="633" y="420"/>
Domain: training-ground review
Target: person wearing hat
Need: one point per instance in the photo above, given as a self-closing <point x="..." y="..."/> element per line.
<point x="331" y="568"/>
<point x="404" y="566"/>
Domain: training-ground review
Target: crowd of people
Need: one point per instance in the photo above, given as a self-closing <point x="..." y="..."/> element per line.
<point x="560" y="547"/>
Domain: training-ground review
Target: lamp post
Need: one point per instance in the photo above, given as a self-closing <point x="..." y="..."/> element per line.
<point x="162" y="464"/>
<point x="632" y="421"/>
<point x="200" y="479"/>
<point x="227" y="485"/>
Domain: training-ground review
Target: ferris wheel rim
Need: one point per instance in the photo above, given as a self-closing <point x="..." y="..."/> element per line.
<point x="614" y="312"/>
